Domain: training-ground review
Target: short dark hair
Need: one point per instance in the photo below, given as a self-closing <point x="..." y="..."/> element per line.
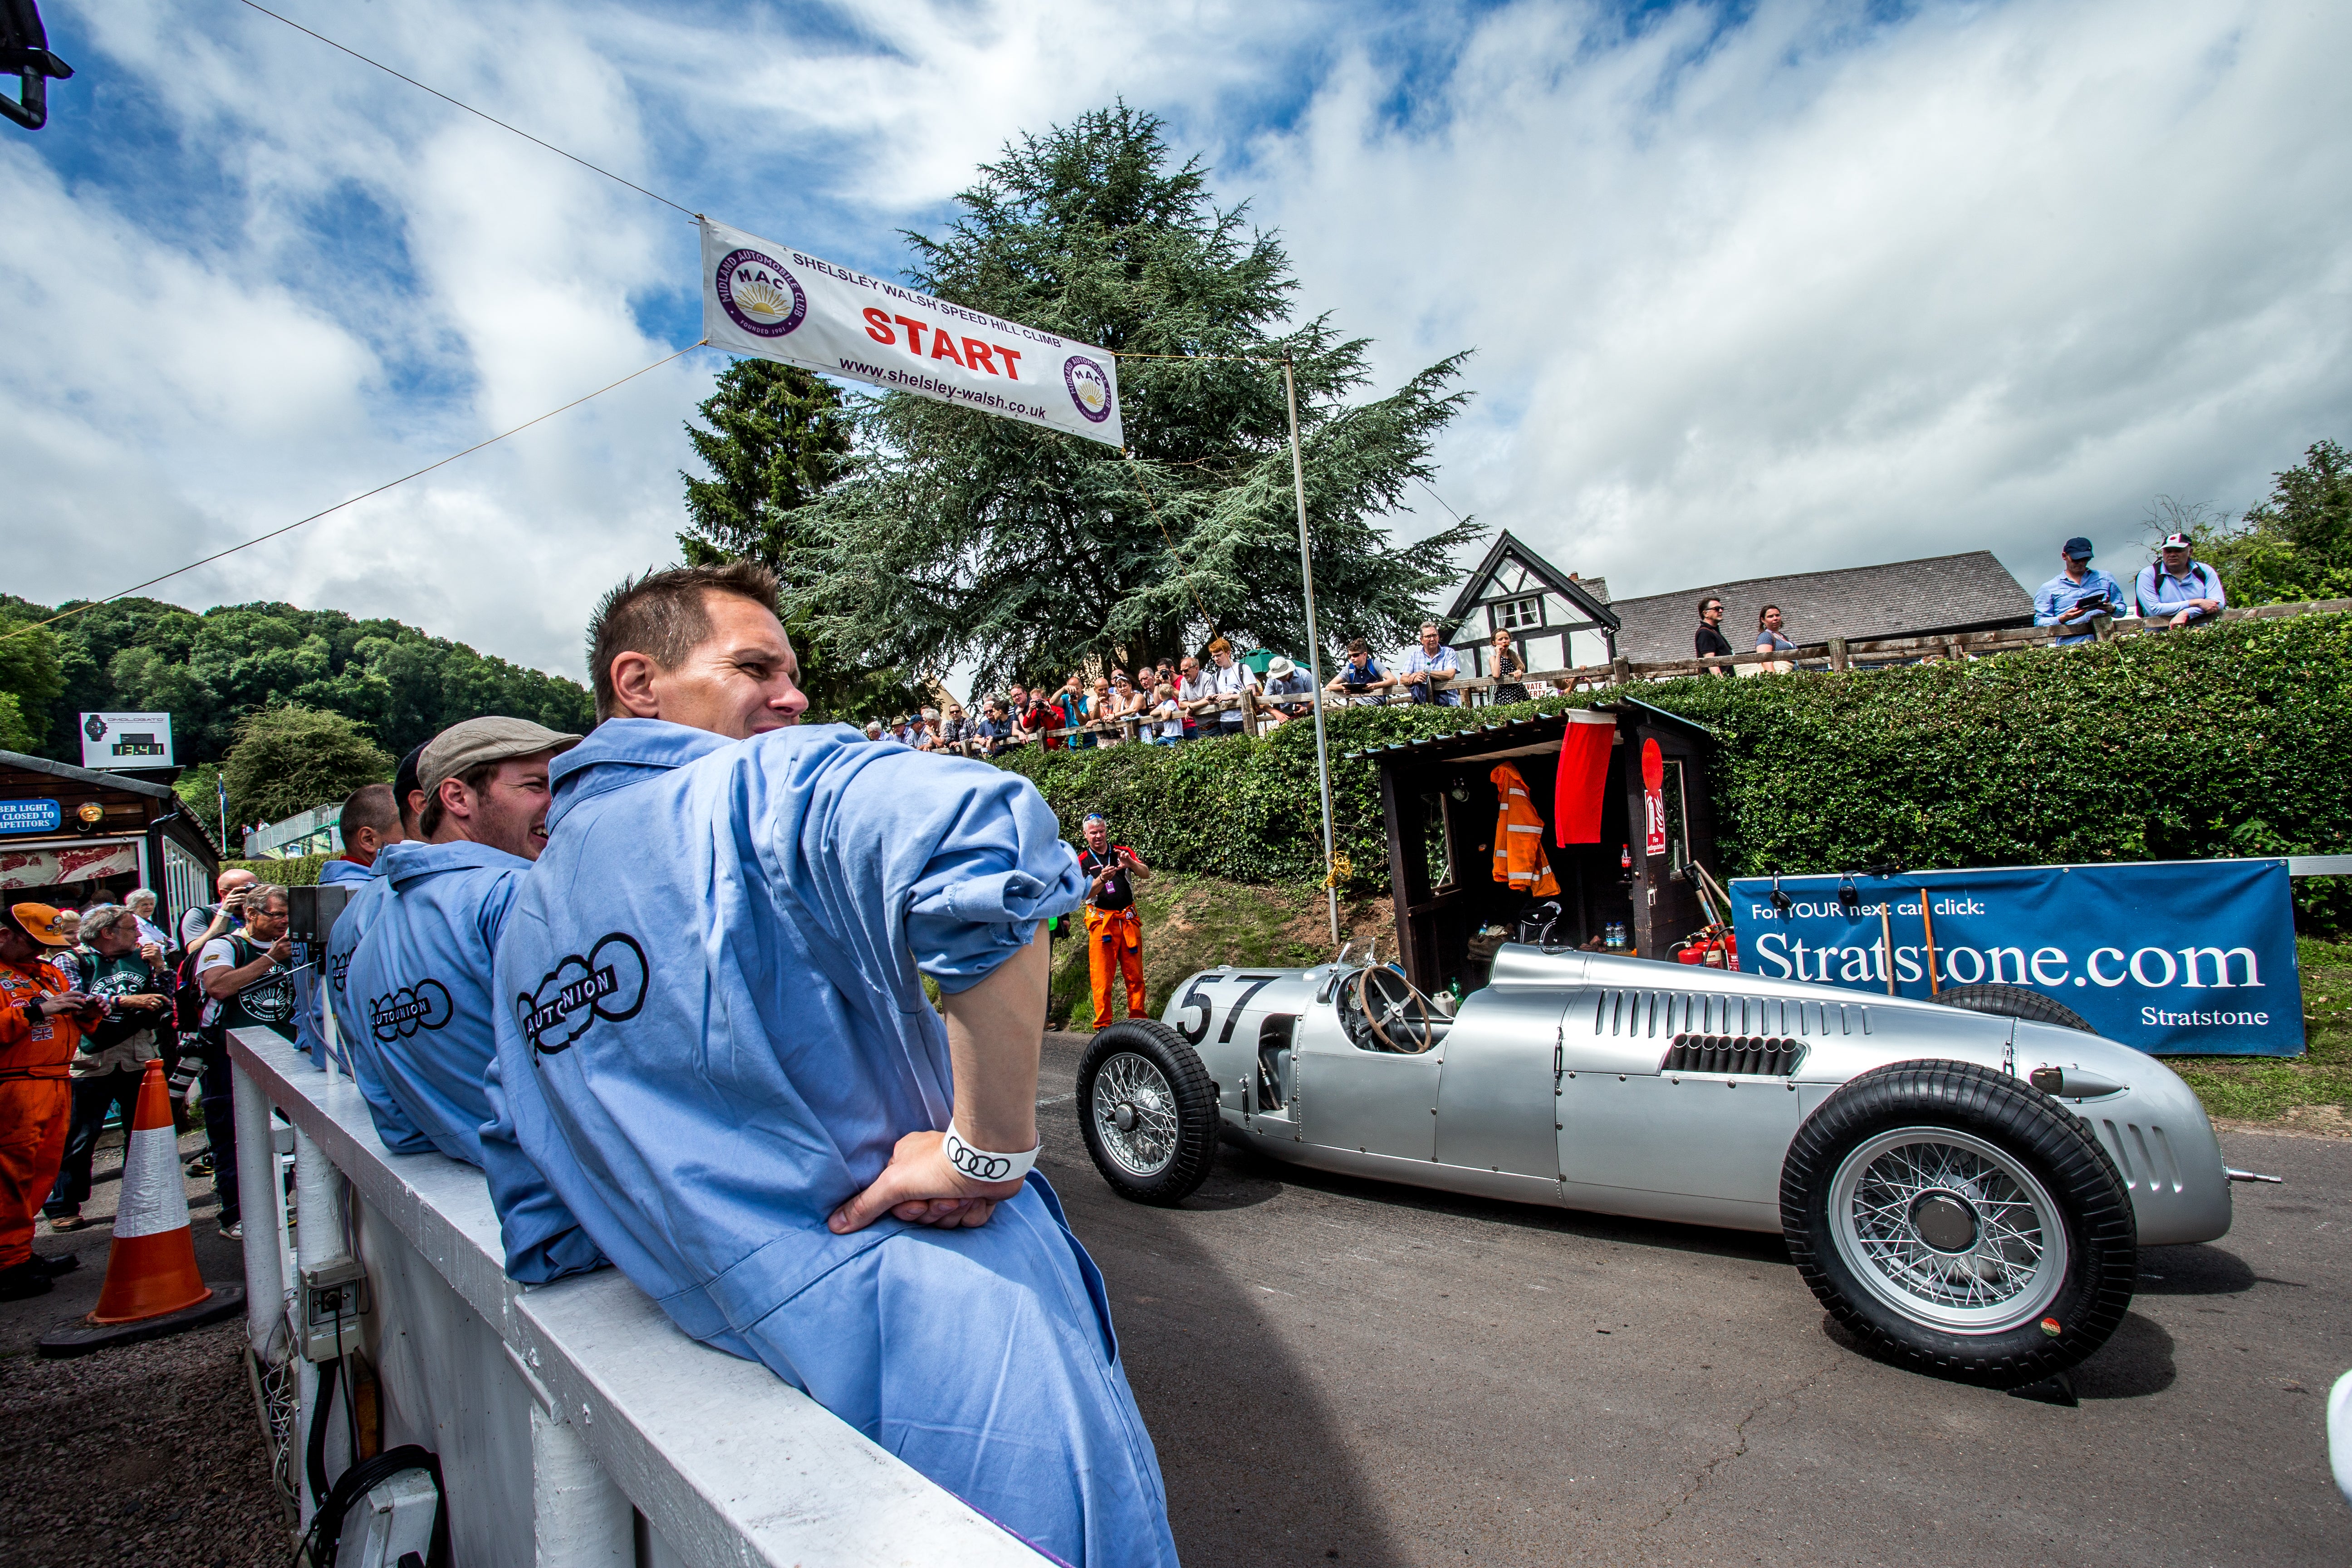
<point x="1707" y="599"/>
<point x="475" y="778"/>
<point x="1358" y="645"/>
<point x="370" y="805"/>
<point x="663" y="616"/>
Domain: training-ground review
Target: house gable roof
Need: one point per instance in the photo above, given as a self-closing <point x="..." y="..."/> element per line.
<point x="1939" y="594"/>
<point x="1507" y="546"/>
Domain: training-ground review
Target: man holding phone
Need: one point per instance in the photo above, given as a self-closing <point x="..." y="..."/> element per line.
<point x="2078" y="597"/>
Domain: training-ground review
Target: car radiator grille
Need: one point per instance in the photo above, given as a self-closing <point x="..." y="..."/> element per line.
<point x="1733" y="1054"/>
<point x="1684" y="1015"/>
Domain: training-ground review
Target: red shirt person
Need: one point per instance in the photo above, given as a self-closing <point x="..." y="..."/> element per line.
<point x="1114" y="930"/>
<point x="41" y="1021"/>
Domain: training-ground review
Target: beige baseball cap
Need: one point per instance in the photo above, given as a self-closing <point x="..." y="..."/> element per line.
<point x="488" y="740"/>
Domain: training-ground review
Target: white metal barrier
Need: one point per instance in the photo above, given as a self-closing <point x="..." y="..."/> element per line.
<point x="574" y="1423"/>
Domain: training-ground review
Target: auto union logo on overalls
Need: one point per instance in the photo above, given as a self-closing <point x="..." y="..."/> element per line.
<point x="608" y="984"/>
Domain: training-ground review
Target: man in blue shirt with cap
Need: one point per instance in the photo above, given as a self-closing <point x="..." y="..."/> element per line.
<point x="2080" y="593"/>
<point x="714" y="1040"/>
<point x="419" y="979"/>
<point x="360" y="913"/>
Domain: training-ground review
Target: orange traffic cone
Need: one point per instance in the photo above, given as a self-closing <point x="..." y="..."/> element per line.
<point x="152" y="1268"/>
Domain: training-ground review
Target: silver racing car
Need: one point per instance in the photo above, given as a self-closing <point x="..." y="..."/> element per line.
<point x="1965" y="1184"/>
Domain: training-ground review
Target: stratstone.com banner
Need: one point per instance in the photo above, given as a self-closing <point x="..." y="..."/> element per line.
<point x="769" y="301"/>
<point x="2172" y="956"/>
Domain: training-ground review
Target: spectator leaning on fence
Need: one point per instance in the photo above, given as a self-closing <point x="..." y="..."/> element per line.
<point x="1429" y="668"/>
<point x="1193" y="696"/>
<point x="1228" y="679"/>
<point x="2076" y="599"/>
<point x="1361" y="680"/>
<point x="1770" y="639"/>
<point x="129" y="972"/>
<point x="1163" y="720"/>
<point x="1283" y="679"/>
<point x="2178" y="589"/>
<point x="1710" y="642"/>
<point x="1509" y="667"/>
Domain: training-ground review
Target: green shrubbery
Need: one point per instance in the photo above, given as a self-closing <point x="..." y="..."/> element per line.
<point x="2236" y="740"/>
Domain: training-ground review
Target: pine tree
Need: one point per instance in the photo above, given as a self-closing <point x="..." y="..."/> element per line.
<point x="960" y="536"/>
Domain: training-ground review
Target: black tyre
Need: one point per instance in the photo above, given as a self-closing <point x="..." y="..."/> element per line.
<point x="1149" y="1111"/>
<point x="2015" y="1002"/>
<point x="1961" y="1223"/>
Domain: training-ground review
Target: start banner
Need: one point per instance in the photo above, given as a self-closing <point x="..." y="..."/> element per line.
<point x="2175" y="957"/>
<point x="771" y="301"/>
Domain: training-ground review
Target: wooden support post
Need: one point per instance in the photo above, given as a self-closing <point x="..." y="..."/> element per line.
<point x="1837" y="653"/>
<point x="1621" y="672"/>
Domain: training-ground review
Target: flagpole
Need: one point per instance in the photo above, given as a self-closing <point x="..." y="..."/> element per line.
<point x="1314" y="648"/>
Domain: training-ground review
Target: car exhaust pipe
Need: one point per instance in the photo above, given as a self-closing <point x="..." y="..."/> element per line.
<point x="2254" y="1176"/>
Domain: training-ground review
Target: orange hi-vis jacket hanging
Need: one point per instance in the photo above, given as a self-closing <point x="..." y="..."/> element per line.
<point x="1519" y="857"/>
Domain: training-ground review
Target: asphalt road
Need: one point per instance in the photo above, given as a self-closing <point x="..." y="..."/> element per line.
<point x="1339" y="1370"/>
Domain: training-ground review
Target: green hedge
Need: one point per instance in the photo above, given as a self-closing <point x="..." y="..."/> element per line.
<point x="302" y="871"/>
<point x="2232" y="741"/>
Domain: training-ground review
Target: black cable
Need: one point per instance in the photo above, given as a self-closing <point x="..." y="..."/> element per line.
<point x="469" y="109"/>
<point x="317" y="1466"/>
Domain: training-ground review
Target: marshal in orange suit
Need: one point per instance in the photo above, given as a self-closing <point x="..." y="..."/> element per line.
<point x="41" y="1021"/>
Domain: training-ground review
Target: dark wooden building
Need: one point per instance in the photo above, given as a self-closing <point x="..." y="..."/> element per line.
<point x="73" y="836"/>
<point x="1441" y="805"/>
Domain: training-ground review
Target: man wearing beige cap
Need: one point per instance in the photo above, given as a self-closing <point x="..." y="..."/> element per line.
<point x="418" y="985"/>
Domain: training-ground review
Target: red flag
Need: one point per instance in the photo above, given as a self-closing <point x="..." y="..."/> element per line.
<point x="1584" y="782"/>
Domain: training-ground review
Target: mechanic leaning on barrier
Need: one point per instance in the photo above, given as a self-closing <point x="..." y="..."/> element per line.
<point x="420" y="978"/>
<point x="370" y="822"/>
<point x="714" y="1040"/>
<point x="366" y="901"/>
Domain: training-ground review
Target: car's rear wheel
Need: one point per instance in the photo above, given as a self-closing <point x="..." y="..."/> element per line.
<point x="2015" y="1002"/>
<point x="1961" y="1223"/>
<point x="1148" y="1112"/>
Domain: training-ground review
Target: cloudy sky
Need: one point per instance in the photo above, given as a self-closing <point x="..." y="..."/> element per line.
<point x="1753" y="287"/>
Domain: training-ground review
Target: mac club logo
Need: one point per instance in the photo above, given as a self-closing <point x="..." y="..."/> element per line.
<point x="759" y="295"/>
<point x="608" y="984"/>
<point x="1089" y="386"/>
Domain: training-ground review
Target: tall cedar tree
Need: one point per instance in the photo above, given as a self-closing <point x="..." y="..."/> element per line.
<point x="957" y="537"/>
<point x="778" y="437"/>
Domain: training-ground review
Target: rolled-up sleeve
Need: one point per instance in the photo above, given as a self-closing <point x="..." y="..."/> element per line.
<point x="956" y="859"/>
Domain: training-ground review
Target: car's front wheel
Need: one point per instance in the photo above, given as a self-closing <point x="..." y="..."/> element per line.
<point x="1148" y="1112"/>
<point x="1960" y="1222"/>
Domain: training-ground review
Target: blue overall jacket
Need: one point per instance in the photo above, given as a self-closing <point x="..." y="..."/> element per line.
<point x="712" y="1032"/>
<point x="419" y="981"/>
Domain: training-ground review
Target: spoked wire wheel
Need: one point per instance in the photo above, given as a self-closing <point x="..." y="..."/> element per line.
<point x="1148" y="1112"/>
<point x="1948" y="1229"/>
<point x="1134" y="1111"/>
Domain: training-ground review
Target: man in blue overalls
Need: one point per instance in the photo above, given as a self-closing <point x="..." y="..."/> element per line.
<point x="370" y="822"/>
<point x="419" y="979"/>
<point x="360" y="913"/>
<point x="713" y="1039"/>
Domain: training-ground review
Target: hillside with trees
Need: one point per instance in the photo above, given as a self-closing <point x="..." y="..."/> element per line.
<point x="212" y="671"/>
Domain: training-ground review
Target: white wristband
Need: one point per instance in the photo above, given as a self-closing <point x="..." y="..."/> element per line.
<point x="983" y="1166"/>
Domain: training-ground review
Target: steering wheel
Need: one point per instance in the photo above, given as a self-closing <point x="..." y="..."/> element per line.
<point x="1401" y="1017"/>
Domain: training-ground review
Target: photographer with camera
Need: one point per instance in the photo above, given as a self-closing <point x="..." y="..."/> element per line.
<point x="2079" y="598"/>
<point x="1114" y="930"/>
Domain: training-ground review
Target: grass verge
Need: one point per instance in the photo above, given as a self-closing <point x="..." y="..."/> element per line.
<point x="2311" y="1092"/>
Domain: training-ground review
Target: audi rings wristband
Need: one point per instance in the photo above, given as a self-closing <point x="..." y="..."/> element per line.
<point x="983" y="1166"/>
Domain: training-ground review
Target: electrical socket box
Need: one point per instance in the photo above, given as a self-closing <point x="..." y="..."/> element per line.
<point x="334" y="1296"/>
<point x="311" y="913"/>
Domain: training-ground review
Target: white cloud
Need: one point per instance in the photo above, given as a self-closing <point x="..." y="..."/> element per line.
<point x="1819" y="291"/>
<point x="1809" y="290"/>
